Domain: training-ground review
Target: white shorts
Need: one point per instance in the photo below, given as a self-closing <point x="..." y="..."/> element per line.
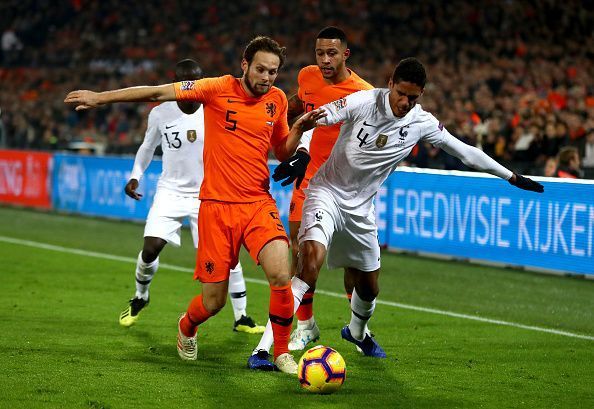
<point x="167" y="215"/>
<point x="350" y="240"/>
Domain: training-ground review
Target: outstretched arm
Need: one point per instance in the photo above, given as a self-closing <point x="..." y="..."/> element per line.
<point x="85" y="99"/>
<point x="284" y="150"/>
<point x="477" y="159"/>
<point x="293" y="168"/>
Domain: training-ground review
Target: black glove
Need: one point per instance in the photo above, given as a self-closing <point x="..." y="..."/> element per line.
<point x="292" y="169"/>
<point x="526" y="183"/>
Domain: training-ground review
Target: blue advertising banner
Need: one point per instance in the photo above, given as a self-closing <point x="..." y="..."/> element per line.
<point x="459" y="214"/>
<point x="475" y="216"/>
<point x="94" y="185"/>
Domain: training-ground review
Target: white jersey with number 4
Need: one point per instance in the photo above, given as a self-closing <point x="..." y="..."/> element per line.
<point x="181" y="137"/>
<point x="372" y="142"/>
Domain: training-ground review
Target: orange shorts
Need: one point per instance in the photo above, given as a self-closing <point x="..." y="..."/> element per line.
<point x="223" y="227"/>
<point x="296" y="207"/>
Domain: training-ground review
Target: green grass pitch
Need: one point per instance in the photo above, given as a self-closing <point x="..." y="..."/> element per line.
<point x="65" y="279"/>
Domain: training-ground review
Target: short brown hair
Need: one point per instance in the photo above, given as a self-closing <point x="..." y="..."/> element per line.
<point x="266" y="44"/>
<point x="566" y="154"/>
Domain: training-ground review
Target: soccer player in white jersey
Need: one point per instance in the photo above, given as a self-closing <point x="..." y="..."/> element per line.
<point x="379" y="129"/>
<point x="179" y="128"/>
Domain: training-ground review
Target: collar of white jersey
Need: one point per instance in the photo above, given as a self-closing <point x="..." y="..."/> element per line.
<point x="390" y="114"/>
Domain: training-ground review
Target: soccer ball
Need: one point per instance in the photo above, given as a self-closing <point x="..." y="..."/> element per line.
<point x="321" y="370"/>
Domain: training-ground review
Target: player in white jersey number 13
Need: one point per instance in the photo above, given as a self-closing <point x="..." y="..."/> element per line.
<point x="179" y="128"/>
<point x="379" y="129"/>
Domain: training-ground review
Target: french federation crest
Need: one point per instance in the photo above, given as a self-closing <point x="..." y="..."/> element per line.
<point x="191" y="135"/>
<point x="381" y="140"/>
<point x="402" y="135"/>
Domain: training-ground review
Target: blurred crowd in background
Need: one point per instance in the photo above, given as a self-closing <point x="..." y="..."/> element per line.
<point x="515" y="78"/>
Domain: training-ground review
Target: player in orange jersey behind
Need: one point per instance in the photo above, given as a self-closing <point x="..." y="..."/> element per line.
<point x="244" y="117"/>
<point x="328" y="81"/>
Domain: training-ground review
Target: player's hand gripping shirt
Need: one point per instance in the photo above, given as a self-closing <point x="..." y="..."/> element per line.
<point x="182" y="139"/>
<point x="314" y="92"/>
<point x="372" y="142"/>
<point x="239" y="132"/>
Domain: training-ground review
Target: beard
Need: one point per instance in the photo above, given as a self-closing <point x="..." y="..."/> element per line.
<point x="256" y="89"/>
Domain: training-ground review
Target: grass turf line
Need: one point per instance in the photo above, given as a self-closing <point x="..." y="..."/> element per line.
<point x="62" y="346"/>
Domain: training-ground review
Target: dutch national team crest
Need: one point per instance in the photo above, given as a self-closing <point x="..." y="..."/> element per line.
<point x="381" y="140"/>
<point x="191" y="135"/>
<point x="271" y="109"/>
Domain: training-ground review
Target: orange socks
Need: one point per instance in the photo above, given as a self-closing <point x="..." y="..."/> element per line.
<point x="195" y="316"/>
<point x="281" y="317"/>
<point x="305" y="310"/>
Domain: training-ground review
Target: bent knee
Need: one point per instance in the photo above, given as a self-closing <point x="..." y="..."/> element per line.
<point x="280" y="278"/>
<point x="214" y="304"/>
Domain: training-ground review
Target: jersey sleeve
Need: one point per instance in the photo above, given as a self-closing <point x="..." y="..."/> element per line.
<point x="145" y="153"/>
<point x="305" y="140"/>
<point x="433" y="131"/>
<point x="338" y="111"/>
<point x="201" y="90"/>
<point x="472" y="156"/>
<point x="281" y="126"/>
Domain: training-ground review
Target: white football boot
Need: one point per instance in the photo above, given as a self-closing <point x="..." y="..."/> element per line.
<point x="186" y="346"/>
<point x="302" y="336"/>
<point x="286" y="363"/>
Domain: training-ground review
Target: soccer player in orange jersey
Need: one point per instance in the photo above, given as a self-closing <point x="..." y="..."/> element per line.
<point x="244" y="117"/>
<point x="328" y="81"/>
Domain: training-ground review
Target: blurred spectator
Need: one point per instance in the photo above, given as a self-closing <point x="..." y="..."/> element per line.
<point x="588" y="155"/>
<point x="3" y="143"/>
<point x="550" y="167"/>
<point x="514" y="78"/>
<point x="568" y="162"/>
<point x="11" y="47"/>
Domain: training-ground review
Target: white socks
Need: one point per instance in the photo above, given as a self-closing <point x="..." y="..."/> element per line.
<point x="237" y="291"/>
<point x="299" y="287"/>
<point x="361" y="312"/>
<point x="144" y="276"/>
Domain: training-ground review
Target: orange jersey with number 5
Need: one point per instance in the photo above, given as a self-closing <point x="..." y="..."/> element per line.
<point x="239" y="131"/>
<point x="314" y="91"/>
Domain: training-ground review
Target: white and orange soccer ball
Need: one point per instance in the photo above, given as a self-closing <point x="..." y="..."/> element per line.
<point x="321" y="370"/>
